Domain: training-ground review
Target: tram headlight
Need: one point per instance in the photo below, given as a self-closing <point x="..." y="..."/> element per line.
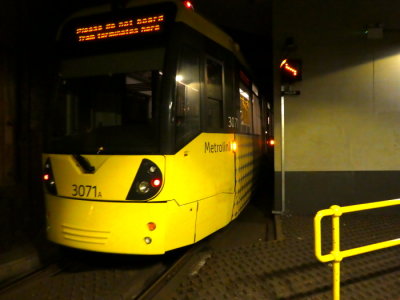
<point x="147" y="182"/>
<point x="143" y="187"/>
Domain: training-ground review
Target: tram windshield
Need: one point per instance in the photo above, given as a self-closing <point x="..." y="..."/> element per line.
<point x="107" y="114"/>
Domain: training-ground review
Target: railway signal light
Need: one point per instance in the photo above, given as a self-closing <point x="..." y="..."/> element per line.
<point x="188" y="4"/>
<point x="291" y="70"/>
<point x="271" y="142"/>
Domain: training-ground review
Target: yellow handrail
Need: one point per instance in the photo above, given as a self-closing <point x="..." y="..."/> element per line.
<point x="336" y="255"/>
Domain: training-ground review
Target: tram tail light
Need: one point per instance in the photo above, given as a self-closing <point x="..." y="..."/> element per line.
<point x="147" y="182"/>
<point x="48" y="178"/>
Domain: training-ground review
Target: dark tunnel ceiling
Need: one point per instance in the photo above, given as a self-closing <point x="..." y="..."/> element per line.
<point x="250" y="16"/>
<point x="247" y="21"/>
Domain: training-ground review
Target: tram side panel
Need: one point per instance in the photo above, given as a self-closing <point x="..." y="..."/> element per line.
<point x="203" y="173"/>
<point x="246" y="162"/>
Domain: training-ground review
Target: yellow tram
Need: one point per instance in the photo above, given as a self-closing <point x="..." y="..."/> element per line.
<point x="156" y="133"/>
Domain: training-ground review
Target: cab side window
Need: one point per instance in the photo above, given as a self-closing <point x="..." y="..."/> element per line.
<point x="256" y="114"/>
<point x="246" y="114"/>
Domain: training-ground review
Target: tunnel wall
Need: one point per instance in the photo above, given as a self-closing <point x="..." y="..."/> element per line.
<point x="342" y="133"/>
<point x="27" y="79"/>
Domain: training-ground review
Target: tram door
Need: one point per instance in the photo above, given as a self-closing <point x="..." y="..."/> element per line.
<point x="215" y="211"/>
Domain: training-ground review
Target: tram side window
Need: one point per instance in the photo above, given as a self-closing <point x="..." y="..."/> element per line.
<point x="246" y="115"/>
<point x="187" y="106"/>
<point x="214" y="94"/>
<point x="256" y="115"/>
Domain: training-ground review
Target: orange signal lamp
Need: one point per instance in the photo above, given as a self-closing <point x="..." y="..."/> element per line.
<point x="285" y="65"/>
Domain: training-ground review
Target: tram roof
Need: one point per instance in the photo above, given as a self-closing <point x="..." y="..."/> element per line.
<point x="184" y="15"/>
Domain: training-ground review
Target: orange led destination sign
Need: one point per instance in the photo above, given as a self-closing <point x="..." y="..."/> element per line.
<point x="126" y="27"/>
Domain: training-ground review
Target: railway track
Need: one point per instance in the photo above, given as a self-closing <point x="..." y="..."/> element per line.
<point x="87" y="275"/>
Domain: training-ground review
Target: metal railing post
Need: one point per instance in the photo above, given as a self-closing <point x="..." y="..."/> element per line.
<point x="336" y="251"/>
<point x="336" y="256"/>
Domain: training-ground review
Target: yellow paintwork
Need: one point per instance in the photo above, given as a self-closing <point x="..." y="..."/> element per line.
<point x="194" y="173"/>
<point x="119" y="227"/>
<point x="205" y="186"/>
<point x="246" y="156"/>
<point x="213" y="214"/>
<point x="113" y="176"/>
<point x="336" y="255"/>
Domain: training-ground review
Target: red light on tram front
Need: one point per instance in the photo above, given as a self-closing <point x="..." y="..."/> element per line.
<point x="46" y="177"/>
<point x="155" y="182"/>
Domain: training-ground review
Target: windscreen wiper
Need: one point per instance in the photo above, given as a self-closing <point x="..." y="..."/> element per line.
<point x="84" y="163"/>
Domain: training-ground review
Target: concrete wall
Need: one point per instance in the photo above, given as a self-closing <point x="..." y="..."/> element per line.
<point x="342" y="134"/>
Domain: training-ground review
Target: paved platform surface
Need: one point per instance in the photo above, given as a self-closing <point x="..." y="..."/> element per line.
<point x="240" y="264"/>
<point x="245" y="261"/>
